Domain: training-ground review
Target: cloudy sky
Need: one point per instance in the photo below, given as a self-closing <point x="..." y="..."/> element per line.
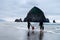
<point x="15" y="9"/>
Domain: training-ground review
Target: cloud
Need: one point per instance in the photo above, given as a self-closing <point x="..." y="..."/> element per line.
<point x="19" y="8"/>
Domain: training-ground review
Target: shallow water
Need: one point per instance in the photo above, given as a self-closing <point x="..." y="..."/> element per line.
<point x="19" y="31"/>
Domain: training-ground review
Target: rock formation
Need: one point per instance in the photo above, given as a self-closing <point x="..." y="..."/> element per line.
<point x="18" y="20"/>
<point x="35" y="15"/>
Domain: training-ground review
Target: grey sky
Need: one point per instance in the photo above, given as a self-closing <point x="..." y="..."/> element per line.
<point x="12" y="9"/>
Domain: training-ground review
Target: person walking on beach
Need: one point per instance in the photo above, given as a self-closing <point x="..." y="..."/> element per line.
<point x="41" y="25"/>
<point x="28" y="22"/>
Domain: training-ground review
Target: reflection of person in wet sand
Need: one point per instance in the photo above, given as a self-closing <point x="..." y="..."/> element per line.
<point x="29" y="35"/>
<point x="32" y="35"/>
<point x="41" y="35"/>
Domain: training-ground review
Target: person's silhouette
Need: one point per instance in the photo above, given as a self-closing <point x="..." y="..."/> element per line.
<point x="30" y="35"/>
<point x="41" y="25"/>
<point x="28" y="22"/>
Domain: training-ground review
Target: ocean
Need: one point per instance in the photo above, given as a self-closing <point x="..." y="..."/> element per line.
<point x="19" y="31"/>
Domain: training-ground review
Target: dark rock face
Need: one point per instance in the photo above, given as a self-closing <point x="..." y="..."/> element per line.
<point x="18" y="20"/>
<point x="47" y="20"/>
<point x="35" y="15"/>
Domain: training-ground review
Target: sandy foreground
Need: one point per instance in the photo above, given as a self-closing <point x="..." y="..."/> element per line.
<point x="11" y="33"/>
<point x="15" y="32"/>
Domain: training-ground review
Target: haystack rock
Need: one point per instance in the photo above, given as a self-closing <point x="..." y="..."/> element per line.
<point x="36" y="15"/>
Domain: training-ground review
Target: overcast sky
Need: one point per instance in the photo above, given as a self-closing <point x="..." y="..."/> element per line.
<point x="13" y="9"/>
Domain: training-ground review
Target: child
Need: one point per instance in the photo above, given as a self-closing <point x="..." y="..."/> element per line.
<point x="32" y="27"/>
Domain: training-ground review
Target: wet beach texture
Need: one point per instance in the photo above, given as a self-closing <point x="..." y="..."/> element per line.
<point x="19" y="31"/>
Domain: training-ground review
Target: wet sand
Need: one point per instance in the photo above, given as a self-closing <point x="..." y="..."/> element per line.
<point x="20" y="32"/>
<point x="14" y="34"/>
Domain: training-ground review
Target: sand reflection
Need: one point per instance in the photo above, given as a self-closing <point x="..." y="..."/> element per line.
<point x="33" y="35"/>
<point x="41" y="35"/>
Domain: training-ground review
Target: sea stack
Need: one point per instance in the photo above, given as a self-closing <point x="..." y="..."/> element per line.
<point x="35" y="15"/>
<point x="18" y="20"/>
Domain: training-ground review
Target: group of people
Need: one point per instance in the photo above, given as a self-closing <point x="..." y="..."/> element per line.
<point x="40" y="24"/>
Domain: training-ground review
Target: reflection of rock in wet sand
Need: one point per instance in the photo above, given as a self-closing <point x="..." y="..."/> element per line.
<point x="33" y="35"/>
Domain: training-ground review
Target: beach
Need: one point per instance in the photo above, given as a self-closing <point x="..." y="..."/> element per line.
<point x="19" y="31"/>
